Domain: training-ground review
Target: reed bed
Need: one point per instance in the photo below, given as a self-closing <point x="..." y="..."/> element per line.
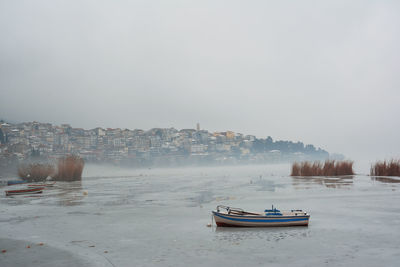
<point x="35" y="171"/>
<point x="69" y="168"/>
<point x="386" y="168"/>
<point x="327" y="168"/>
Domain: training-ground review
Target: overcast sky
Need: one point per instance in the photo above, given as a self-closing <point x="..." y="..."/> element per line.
<point x="321" y="72"/>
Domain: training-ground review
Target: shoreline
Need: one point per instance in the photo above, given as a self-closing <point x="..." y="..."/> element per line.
<point x="23" y="253"/>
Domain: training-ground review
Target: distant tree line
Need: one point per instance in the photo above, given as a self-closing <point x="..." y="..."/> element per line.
<point x="267" y="144"/>
<point x="2" y="137"/>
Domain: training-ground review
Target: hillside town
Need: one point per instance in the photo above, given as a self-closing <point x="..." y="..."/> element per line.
<point x="139" y="148"/>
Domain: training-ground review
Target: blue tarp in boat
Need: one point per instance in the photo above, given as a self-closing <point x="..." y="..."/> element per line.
<point x="11" y="182"/>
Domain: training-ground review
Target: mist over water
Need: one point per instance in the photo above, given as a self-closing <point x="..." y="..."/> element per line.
<point x="317" y="72"/>
<point x="322" y="73"/>
<point x="158" y="217"/>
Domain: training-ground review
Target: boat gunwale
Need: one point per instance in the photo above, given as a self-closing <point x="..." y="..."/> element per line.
<point x="260" y="216"/>
<point x="36" y="190"/>
<point x="26" y="190"/>
<point x="24" y="193"/>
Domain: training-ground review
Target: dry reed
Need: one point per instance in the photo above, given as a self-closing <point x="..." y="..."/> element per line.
<point x="69" y="168"/>
<point x="328" y="168"/>
<point x="386" y="168"/>
<point x="35" y="171"/>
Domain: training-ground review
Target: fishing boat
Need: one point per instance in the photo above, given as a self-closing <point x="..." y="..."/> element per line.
<point x="42" y="185"/>
<point x="13" y="182"/>
<point x="236" y="217"/>
<point x="37" y="190"/>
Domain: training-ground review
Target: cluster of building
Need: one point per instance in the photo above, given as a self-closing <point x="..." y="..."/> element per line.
<point x="155" y="147"/>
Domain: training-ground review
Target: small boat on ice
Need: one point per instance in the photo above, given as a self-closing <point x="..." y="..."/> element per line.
<point x="29" y="191"/>
<point x="13" y="182"/>
<point x="42" y="185"/>
<point x="236" y="217"/>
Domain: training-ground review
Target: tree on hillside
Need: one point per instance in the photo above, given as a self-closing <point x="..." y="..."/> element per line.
<point x="2" y="139"/>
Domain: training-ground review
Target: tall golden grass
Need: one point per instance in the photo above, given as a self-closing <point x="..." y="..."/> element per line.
<point x="69" y="168"/>
<point x="35" y="171"/>
<point x="328" y="168"/>
<point x="386" y="168"/>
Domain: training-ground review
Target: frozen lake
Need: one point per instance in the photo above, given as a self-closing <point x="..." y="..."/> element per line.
<point x="159" y="217"/>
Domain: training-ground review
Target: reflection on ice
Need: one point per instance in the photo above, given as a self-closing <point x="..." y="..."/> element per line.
<point x="262" y="184"/>
<point x="330" y="182"/>
<point x="233" y="234"/>
<point x="201" y="198"/>
<point x="69" y="193"/>
<point x="391" y="180"/>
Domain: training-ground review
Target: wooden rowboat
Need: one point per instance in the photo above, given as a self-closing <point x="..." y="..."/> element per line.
<point x="13" y="182"/>
<point x="236" y="217"/>
<point x="42" y="185"/>
<point x="38" y="190"/>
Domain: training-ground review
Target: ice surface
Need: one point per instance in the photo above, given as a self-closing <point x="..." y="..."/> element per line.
<point x="159" y="217"/>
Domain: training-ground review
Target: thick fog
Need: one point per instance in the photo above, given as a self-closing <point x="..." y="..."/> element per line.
<point x="321" y="72"/>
